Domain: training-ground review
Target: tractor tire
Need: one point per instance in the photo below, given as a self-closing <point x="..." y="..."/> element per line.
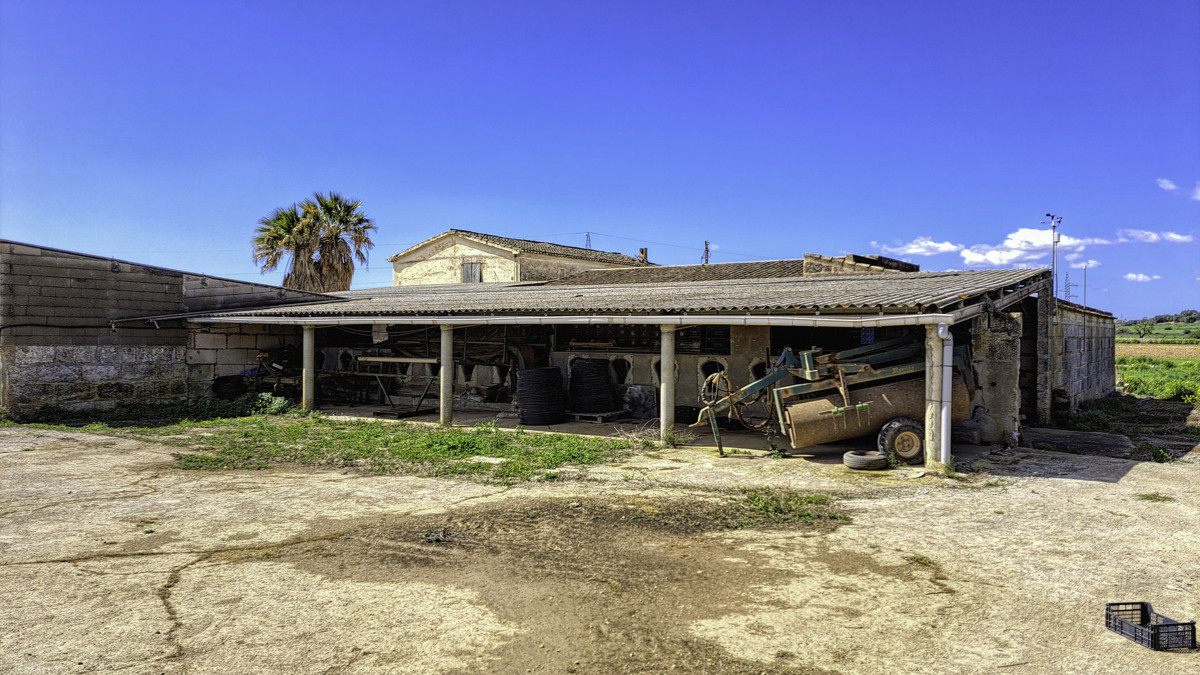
<point x="865" y="460"/>
<point x="904" y="439"/>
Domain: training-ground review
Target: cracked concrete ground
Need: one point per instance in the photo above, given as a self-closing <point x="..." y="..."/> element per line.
<point x="111" y="559"/>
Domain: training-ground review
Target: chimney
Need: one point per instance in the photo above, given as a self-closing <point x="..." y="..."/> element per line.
<point x="642" y="254"/>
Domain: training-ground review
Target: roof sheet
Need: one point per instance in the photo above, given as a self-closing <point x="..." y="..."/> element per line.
<point x="542" y="247"/>
<point x="901" y="292"/>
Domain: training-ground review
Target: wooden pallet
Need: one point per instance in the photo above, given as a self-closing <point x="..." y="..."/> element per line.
<point x="600" y="418"/>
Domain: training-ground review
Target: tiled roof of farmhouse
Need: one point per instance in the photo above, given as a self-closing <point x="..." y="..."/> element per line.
<point x="765" y="269"/>
<point x="890" y="293"/>
<point x="542" y="247"/>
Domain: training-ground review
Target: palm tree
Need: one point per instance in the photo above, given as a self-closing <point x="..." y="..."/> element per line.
<point x="323" y="236"/>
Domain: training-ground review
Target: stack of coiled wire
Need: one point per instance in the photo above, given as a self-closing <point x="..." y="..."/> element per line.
<point x="540" y="396"/>
<point x="591" y="389"/>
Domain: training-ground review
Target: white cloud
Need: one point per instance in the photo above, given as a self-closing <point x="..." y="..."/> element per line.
<point x="919" y="246"/>
<point x="1085" y="263"/>
<point x="1024" y="246"/>
<point x="1140" y="277"/>
<point x="1196" y="192"/>
<point x="1139" y="235"/>
<point x="1148" y="237"/>
<point x="1167" y="184"/>
<point x="1074" y="256"/>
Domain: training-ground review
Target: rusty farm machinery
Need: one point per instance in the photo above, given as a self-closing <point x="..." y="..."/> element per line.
<point x="817" y="397"/>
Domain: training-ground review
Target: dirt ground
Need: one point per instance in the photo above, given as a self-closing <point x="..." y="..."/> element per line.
<point x="111" y="559"/>
<point x="1159" y="351"/>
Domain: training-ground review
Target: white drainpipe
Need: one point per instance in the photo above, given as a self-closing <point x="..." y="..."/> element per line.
<point x="947" y="389"/>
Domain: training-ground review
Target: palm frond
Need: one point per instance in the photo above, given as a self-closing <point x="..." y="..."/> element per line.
<point x="324" y="236"/>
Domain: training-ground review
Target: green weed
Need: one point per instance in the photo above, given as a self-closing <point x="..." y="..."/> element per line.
<point x="1152" y="453"/>
<point x="1155" y="497"/>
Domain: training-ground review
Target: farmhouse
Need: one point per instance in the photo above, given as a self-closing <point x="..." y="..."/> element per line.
<point x="83" y="331"/>
<point x="459" y="256"/>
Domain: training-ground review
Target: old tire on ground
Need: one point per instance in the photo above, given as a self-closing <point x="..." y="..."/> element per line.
<point x="865" y="460"/>
<point x="904" y="439"/>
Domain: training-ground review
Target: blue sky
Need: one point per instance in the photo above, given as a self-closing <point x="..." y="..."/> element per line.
<point x="937" y="132"/>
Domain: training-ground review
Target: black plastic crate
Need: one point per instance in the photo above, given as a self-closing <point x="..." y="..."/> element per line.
<point x="1139" y="622"/>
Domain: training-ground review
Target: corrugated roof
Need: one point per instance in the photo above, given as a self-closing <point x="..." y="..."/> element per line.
<point x="765" y="269"/>
<point x="542" y="247"/>
<point x="894" y="293"/>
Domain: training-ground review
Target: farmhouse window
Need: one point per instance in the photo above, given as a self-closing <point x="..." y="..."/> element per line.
<point x="472" y="273"/>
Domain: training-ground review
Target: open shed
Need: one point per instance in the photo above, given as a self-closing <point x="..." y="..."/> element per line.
<point x="85" y="332"/>
<point x="666" y="335"/>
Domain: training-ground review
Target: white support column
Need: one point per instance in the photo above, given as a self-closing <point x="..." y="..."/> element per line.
<point x="947" y="395"/>
<point x="666" y="395"/>
<point x="308" y="377"/>
<point x="446" y="378"/>
<point x="934" y="378"/>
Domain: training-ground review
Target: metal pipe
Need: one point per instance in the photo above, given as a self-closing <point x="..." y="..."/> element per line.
<point x="666" y="370"/>
<point x="947" y="391"/>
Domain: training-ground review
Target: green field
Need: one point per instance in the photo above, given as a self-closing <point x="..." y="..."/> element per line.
<point x="1159" y="331"/>
<point x="1160" y="378"/>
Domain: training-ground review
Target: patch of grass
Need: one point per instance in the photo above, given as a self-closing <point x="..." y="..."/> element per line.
<point x="396" y="448"/>
<point x="1155" y="497"/>
<point x="1147" y="452"/>
<point x="921" y="560"/>
<point x="745" y="508"/>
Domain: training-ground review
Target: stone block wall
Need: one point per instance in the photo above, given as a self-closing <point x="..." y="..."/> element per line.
<point x="996" y="358"/>
<point x="1076" y="355"/>
<point x="66" y="337"/>
<point x="748" y="346"/>
<point x="92" y="376"/>
<point x="1084" y="353"/>
<point x="214" y="350"/>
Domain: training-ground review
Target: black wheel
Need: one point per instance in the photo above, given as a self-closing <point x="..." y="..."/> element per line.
<point x="904" y="439"/>
<point x="865" y="460"/>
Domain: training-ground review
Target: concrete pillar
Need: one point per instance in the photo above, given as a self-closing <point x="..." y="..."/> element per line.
<point x="666" y="392"/>
<point x="933" y="398"/>
<point x="446" y="377"/>
<point x="308" y="377"/>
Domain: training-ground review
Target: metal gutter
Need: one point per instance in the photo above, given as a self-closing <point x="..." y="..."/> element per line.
<point x="664" y="320"/>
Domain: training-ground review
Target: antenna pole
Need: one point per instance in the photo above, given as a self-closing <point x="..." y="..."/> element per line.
<point x="1055" y="221"/>
<point x="704" y="260"/>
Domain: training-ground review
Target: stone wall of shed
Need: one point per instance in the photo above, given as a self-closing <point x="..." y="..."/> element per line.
<point x="748" y="349"/>
<point x="1081" y="348"/>
<point x="215" y="350"/>
<point x="59" y="344"/>
<point x="996" y="361"/>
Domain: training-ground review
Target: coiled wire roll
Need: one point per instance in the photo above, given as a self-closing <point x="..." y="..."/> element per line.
<point x="591" y="389"/>
<point x="540" y="397"/>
